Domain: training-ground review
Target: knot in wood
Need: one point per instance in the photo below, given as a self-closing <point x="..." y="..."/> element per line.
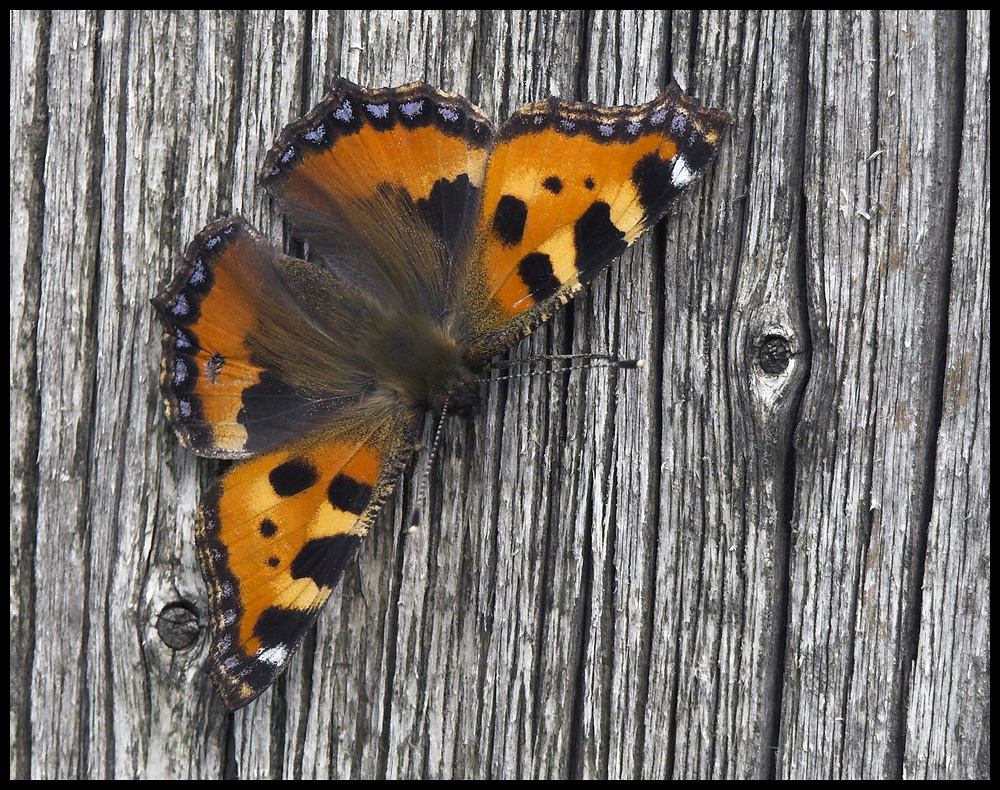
<point x="774" y="354"/>
<point x="177" y="625"/>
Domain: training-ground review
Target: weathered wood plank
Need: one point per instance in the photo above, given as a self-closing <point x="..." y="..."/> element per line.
<point x="160" y="84"/>
<point x="910" y="246"/>
<point x="65" y="378"/>
<point x="883" y="181"/>
<point x="760" y="349"/>
<point x="639" y="574"/>
<point x="948" y="724"/>
<point x="832" y="444"/>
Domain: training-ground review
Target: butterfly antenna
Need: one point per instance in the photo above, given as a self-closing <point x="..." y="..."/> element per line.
<point x="426" y="479"/>
<point x="592" y="361"/>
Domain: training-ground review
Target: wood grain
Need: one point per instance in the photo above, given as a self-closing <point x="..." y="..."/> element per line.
<point x="764" y="555"/>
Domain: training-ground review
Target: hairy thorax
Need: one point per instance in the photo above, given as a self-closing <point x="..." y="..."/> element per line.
<point x="426" y="366"/>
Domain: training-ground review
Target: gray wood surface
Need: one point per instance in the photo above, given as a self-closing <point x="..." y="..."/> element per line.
<point x="766" y="554"/>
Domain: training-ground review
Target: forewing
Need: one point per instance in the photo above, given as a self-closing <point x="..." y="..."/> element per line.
<point x="393" y="174"/>
<point x="568" y="188"/>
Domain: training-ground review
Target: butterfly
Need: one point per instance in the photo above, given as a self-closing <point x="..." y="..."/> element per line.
<point x="440" y="241"/>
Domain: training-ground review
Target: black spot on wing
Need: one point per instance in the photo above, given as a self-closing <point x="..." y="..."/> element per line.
<point x="292" y="477"/>
<point x="598" y="240"/>
<point x="347" y="494"/>
<point x="267" y="528"/>
<point x="447" y="209"/>
<point x="653" y="179"/>
<point x="323" y="559"/>
<point x="508" y="220"/>
<point x="280" y="626"/>
<point x="553" y="184"/>
<point x="535" y="271"/>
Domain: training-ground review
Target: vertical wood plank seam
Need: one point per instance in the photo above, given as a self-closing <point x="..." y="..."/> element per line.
<point x="659" y="374"/>
<point x="37" y="144"/>
<point x="692" y="53"/>
<point x="227" y="173"/>
<point x="90" y="337"/>
<point x="785" y="468"/>
<point x="230" y="768"/>
<point x="390" y="632"/>
<point x="116" y="267"/>
<point x="612" y="622"/>
<point x="585" y="46"/>
<point x="726" y="386"/>
<point x="576" y="752"/>
<point x="548" y="552"/>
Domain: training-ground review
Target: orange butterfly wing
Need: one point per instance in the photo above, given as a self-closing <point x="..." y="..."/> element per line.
<point x="568" y="188"/>
<point x="386" y="182"/>
<point x="275" y="534"/>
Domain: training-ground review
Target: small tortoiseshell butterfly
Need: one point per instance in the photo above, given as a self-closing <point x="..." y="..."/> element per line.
<point x="442" y="242"/>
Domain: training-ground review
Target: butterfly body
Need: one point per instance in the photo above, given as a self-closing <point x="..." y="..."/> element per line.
<point x="440" y="243"/>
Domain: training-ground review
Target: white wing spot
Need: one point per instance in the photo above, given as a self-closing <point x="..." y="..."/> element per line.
<point x="682" y="175"/>
<point x="275" y="656"/>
